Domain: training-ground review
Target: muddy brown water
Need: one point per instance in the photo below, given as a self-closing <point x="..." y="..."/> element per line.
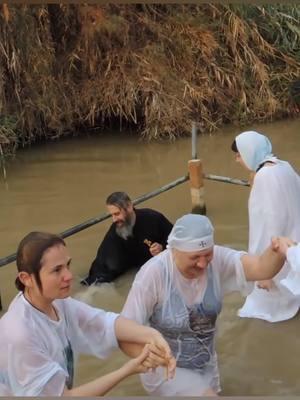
<point x="57" y="185"/>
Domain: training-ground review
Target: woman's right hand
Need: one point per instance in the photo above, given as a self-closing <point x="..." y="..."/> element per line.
<point x="149" y="359"/>
<point x="281" y="244"/>
<point x="157" y="358"/>
<point x="136" y="365"/>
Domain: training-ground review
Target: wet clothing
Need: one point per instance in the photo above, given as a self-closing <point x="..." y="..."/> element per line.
<point x="4" y="391"/>
<point x="292" y="280"/>
<point x="37" y="354"/>
<point x="274" y="210"/>
<point x="196" y="328"/>
<point x="116" y="255"/>
<point x="185" y="312"/>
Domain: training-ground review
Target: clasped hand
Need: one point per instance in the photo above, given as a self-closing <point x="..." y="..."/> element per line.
<point x="158" y="358"/>
<point x="281" y="244"/>
<point x="150" y="358"/>
<point x="159" y="355"/>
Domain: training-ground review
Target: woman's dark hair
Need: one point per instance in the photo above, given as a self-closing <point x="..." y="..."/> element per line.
<point x="30" y="253"/>
<point x="234" y="147"/>
<point x="118" y="199"/>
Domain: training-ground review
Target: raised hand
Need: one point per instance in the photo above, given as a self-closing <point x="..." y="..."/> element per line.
<point x="266" y="284"/>
<point x="281" y="244"/>
<point x="155" y="248"/>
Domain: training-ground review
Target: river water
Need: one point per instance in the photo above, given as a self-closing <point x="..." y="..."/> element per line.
<point x="57" y="185"/>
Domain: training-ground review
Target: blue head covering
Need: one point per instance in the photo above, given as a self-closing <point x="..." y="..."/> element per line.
<point x="192" y="232"/>
<point x="254" y="149"/>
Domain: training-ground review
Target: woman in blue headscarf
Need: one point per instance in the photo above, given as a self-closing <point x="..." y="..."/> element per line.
<point x="180" y="292"/>
<point x="274" y="209"/>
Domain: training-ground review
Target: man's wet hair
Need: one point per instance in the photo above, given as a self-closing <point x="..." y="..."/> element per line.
<point x="118" y="199"/>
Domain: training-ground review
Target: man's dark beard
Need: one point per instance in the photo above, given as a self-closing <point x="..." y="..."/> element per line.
<point x="126" y="229"/>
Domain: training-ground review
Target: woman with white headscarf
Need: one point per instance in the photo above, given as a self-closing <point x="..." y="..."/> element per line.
<point x="179" y="292"/>
<point x="274" y="209"/>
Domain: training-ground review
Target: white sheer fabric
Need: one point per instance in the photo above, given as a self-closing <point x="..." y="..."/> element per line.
<point x="291" y="282"/>
<point x="4" y="391"/>
<point x="153" y="291"/>
<point x="274" y="210"/>
<point x="36" y="353"/>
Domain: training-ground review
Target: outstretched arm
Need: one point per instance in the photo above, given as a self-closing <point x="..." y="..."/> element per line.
<point x="282" y="244"/>
<point x="100" y="386"/>
<point x="265" y="266"/>
<point x="132" y="336"/>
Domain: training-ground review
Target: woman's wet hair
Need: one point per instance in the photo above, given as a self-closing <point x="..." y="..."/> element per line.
<point x="234" y="146"/>
<point x="118" y="199"/>
<point x="30" y="253"/>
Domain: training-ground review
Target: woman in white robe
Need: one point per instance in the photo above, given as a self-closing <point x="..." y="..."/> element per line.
<point x="180" y="291"/>
<point x="274" y="210"/>
<point x="44" y="329"/>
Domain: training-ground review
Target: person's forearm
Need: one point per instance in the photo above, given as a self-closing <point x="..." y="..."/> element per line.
<point x="271" y="263"/>
<point x="99" y="386"/>
<point x="129" y="331"/>
<point x="131" y="349"/>
<point x="265" y="266"/>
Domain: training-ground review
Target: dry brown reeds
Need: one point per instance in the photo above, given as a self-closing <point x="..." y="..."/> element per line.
<point x="156" y="67"/>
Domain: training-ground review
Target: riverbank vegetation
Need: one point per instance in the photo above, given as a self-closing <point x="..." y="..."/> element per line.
<point x="155" y="68"/>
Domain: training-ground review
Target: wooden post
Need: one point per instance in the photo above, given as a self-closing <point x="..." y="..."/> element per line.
<point x="197" y="186"/>
<point x="194" y="141"/>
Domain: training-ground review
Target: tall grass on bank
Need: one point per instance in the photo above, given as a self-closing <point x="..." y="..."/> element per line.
<point x="65" y="67"/>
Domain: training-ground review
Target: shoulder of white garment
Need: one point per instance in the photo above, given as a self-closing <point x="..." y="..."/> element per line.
<point x="227" y="265"/>
<point x="18" y="323"/>
<point x="81" y="311"/>
<point x="224" y="250"/>
<point x="282" y="173"/>
<point x="153" y="268"/>
<point x="266" y="178"/>
<point x="226" y="256"/>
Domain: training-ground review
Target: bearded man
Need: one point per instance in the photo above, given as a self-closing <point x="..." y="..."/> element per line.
<point x="134" y="237"/>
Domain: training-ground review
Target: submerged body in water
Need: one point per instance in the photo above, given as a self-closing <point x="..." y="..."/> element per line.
<point x="133" y="238"/>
